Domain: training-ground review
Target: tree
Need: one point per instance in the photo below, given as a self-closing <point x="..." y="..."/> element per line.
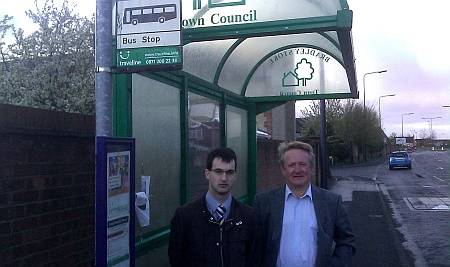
<point x="52" y="68"/>
<point x="4" y="28"/>
<point x="423" y="134"/>
<point x="346" y="121"/>
<point x="312" y="114"/>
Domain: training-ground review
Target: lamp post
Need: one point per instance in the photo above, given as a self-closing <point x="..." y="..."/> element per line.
<point x="364" y="111"/>
<point x="414" y="136"/>
<point x="431" y="125"/>
<point x="402" y="119"/>
<point x="364" y="84"/>
<point x="379" y="106"/>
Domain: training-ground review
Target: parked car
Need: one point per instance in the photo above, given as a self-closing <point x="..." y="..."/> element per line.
<point x="399" y="159"/>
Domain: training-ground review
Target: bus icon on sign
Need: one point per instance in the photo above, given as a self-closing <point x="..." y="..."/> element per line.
<point x="145" y="14"/>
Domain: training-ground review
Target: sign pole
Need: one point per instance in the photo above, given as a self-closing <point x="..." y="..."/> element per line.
<point x="103" y="64"/>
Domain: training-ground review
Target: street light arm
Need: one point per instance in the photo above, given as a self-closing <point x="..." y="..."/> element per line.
<point x="364" y="84"/>
<point x="379" y="105"/>
<point x="380" y="71"/>
<point x="410" y="113"/>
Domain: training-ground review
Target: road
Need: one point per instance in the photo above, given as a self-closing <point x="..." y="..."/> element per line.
<point x="417" y="202"/>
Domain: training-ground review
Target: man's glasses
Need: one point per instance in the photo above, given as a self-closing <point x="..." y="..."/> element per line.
<point x="221" y="172"/>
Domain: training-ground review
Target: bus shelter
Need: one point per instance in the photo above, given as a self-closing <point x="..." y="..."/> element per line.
<point x="240" y="58"/>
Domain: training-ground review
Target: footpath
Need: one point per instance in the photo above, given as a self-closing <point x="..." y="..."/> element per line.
<point x="378" y="241"/>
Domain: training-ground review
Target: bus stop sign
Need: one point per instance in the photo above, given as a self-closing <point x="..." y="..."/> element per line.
<point x="148" y="35"/>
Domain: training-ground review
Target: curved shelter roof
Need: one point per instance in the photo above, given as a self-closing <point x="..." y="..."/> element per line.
<point x="266" y="50"/>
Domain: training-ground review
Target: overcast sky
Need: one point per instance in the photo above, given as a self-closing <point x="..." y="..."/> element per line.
<point x="408" y="38"/>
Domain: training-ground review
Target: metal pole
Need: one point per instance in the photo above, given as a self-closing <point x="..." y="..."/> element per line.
<point x="364" y="86"/>
<point x="364" y="111"/>
<point x="379" y="105"/>
<point x="402" y="125"/>
<point x="431" y="125"/>
<point x="323" y="146"/>
<point x="103" y="64"/>
<point x="402" y="119"/>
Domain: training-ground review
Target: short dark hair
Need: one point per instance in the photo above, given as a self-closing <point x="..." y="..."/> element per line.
<point x="226" y="154"/>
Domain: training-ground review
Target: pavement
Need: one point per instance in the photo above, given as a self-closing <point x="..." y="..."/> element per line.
<point x="378" y="241"/>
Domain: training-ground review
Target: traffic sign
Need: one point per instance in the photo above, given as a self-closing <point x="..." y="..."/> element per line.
<point x="148" y="35"/>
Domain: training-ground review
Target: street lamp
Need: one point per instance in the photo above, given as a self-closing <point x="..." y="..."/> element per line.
<point x="365" y="127"/>
<point x="379" y="102"/>
<point x="431" y="125"/>
<point x="402" y="119"/>
<point x="364" y="84"/>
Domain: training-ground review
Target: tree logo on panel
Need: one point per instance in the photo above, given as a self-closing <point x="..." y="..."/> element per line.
<point x="303" y="71"/>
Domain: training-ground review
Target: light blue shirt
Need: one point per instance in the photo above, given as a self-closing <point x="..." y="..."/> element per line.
<point x="212" y="204"/>
<point x="298" y="246"/>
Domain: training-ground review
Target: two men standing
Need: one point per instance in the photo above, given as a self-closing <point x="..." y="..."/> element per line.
<point x="297" y="224"/>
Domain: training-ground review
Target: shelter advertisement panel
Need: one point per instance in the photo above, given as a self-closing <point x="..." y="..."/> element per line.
<point x="148" y="35"/>
<point x="115" y="201"/>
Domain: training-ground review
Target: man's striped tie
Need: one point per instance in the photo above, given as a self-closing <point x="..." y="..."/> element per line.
<point x="220" y="211"/>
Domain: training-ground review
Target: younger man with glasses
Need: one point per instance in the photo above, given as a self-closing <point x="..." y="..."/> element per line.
<point x="215" y="230"/>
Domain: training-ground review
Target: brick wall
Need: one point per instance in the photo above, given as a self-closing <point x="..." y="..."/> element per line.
<point x="47" y="188"/>
<point x="269" y="174"/>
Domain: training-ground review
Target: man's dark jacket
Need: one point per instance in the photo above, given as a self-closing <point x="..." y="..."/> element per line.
<point x="332" y="221"/>
<point x="196" y="239"/>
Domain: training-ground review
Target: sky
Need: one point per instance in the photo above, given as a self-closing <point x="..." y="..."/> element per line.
<point x="405" y="37"/>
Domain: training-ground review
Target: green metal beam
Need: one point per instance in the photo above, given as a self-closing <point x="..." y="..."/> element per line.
<point x="150" y="241"/>
<point x="224" y="59"/>
<point x="252" y="154"/>
<point x="345" y="20"/>
<point x="298" y="97"/>
<point x="184" y="127"/>
<point x="223" y="120"/>
<point x="258" y="29"/>
<point x="122" y="124"/>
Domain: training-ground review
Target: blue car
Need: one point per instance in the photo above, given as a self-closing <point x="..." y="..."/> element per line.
<point x="399" y="159"/>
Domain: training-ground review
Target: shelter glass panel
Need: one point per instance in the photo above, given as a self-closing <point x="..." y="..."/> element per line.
<point x="298" y="71"/>
<point x="237" y="139"/>
<point x="156" y="127"/>
<point x="204" y="136"/>
<point x="275" y="49"/>
<point x="203" y="59"/>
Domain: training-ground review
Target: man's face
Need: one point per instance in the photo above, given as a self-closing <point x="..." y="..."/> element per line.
<point x="297" y="169"/>
<point x="221" y="178"/>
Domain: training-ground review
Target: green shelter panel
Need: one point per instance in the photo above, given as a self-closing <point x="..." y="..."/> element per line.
<point x="216" y="13"/>
<point x="257" y="49"/>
